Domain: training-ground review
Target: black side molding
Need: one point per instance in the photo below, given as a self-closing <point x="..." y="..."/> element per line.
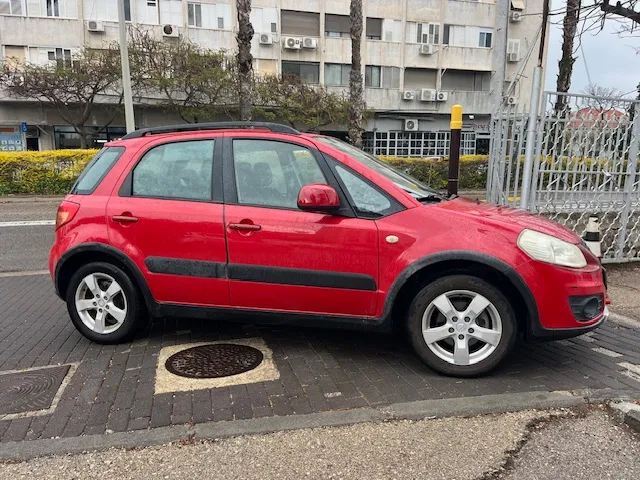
<point x="189" y="268"/>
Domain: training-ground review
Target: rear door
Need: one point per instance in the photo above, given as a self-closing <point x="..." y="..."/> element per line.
<point x="282" y="258"/>
<point x="167" y="215"/>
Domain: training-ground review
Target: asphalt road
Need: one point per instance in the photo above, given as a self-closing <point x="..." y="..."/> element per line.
<point x="24" y="246"/>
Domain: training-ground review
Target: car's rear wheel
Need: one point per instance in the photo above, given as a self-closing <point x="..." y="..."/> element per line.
<point x="461" y="325"/>
<point x="103" y="303"/>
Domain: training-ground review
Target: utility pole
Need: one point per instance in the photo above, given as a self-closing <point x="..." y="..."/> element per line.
<point x="126" y="73"/>
<point x="499" y="60"/>
<point x="534" y="106"/>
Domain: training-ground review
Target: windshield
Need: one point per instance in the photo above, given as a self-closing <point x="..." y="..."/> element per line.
<point x="409" y="184"/>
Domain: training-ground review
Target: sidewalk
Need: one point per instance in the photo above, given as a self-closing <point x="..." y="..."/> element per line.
<point x="624" y="289"/>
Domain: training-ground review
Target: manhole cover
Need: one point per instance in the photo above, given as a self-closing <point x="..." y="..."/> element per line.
<point x="214" y="361"/>
<point x="31" y="390"/>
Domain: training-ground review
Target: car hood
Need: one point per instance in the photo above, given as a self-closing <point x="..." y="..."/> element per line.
<point x="517" y="219"/>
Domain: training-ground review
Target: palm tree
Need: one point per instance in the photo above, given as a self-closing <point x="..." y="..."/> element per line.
<point x="356" y="93"/>
<point x="245" y="59"/>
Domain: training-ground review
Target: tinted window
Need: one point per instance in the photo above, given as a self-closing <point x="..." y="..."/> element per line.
<point x="272" y="173"/>
<point x="368" y="201"/>
<point x="179" y="170"/>
<point x="96" y="170"/>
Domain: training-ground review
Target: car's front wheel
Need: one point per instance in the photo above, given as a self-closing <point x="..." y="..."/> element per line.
<point x="103" y="303"/>
<point x="461" y="325"/>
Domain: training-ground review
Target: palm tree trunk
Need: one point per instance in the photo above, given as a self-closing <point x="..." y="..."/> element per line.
<point x="356" y="92"/>
<point x="245" y="59"/>
<point x="565" y="65"/>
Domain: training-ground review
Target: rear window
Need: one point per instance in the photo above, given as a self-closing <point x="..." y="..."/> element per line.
<point x="96" y="170"/>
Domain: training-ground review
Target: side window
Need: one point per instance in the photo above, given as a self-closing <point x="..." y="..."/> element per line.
<point x="96" y="170"/>
<point x="180" y="170"/>
<point x="369" y="202"/>
<point x="271" y="173"/>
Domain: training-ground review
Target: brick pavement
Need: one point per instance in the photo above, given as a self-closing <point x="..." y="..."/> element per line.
<point x="113" y="387"/>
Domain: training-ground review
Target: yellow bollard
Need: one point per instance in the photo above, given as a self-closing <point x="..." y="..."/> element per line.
<point x="454" y="150"/>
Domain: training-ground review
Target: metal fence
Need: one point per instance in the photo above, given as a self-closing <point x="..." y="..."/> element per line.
<point x="585" y="162"/>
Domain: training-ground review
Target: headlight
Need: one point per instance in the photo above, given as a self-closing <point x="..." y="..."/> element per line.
<point x="546" y="248"/>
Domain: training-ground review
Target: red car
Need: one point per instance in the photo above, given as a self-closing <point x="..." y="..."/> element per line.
<point x="260" y="220"/>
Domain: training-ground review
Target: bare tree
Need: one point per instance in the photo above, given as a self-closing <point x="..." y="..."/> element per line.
<point x="565" y="65"/>
<point x="244" y="58"/>
<point x="73" y="86"/>
<point x="356" y="91"/>
<point x="603" y="98"/>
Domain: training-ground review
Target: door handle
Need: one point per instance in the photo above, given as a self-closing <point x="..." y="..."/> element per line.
<point x="247" y="227"/>
<point x="124" y="218"/>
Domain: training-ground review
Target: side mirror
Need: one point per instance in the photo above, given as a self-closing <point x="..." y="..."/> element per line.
<point x="318" y="198"/>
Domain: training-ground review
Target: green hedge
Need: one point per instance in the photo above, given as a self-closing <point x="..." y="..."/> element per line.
<point x="53" y="172"/>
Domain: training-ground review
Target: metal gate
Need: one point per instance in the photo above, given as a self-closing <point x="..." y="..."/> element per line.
<point x="584" y="162"/>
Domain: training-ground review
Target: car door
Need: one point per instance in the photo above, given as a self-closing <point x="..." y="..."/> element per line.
<point x="167" y="216"/>
<point x="285" y="259"/>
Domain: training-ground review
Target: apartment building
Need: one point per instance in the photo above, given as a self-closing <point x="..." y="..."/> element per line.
<point x="419" y="58"/>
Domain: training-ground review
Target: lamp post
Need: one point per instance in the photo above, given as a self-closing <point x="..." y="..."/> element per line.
<point x="126" y="73"/>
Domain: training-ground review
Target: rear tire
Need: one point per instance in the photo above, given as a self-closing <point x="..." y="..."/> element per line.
<point x="461" y="326"/>
<point x="103" y="303"/>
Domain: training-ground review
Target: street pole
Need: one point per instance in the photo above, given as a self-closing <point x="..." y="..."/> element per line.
<point x="499" y="57"/>
<point x="534" y="106"/>
<point x="454" y="150"/>
<point x="126" y="74"/>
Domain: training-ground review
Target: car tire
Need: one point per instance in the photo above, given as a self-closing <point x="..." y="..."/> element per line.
<point x="103" y="303"/>
<point x="459" y="312"/>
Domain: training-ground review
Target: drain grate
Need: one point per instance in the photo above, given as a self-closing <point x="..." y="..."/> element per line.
<point x="31" y="390"/>
<point x="214" y="361"/>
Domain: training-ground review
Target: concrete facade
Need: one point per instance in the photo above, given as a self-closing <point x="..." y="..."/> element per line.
<point x="439" y="50"/>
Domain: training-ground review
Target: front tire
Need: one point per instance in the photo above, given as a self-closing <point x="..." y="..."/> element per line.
<point x="103" y="303"/>
<point x="461" y="326"/>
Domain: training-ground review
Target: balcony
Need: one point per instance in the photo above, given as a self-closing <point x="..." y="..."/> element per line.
<point x="41" y="31"/>
<point x="471" y="13"/>
<point x="306" y="6"/>
<point x="466" y="58"/>
<point x="414" y="59"/>
<point x="379" y="52"/>
<point x="382" y="98"/>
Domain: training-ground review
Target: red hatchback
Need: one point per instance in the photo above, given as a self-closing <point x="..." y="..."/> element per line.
<point x="262" y="221"/>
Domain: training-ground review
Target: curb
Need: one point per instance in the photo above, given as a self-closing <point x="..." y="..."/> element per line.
<point x="624" y="320"/>
<point x="419" y="410"/>
<point x="628" y="413"/>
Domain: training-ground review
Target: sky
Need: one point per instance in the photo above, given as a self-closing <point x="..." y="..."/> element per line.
<point x="610" y="59"/>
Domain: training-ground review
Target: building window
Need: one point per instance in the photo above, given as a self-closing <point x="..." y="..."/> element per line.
<point x="372" y="76"/>
<point x="336" y="26"/>
<point x="194" y="14"/>
<point x="307" y="72"/>
<point x="429" y="33"/>
<point x="485" y="39"/>
<point x="53" y="8"/>
<point x="62" y="56"/>
<point x="336" y="74"/>
<point x="274" y="27"/>
<point x="513" y="46"/>
<point x="221" y="23"/>
<point x="390" y="77"/>
<point x="12" y="7"/>
<point x="374" y="28"/>
<point x="300" y="23"/>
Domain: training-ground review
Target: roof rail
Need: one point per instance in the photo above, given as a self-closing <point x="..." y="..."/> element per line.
<point x="192" y="127"/>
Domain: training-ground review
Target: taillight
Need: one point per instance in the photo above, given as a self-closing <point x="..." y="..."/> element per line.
<point x="66" y="212"/>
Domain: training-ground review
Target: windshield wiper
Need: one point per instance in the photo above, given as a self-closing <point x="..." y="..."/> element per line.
<point x="433" y="197"/>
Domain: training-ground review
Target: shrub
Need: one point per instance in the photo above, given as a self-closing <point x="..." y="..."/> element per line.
<point x="51" y="172"/>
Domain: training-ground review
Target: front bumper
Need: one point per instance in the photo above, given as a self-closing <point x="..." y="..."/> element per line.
<point x="539" y="333"/>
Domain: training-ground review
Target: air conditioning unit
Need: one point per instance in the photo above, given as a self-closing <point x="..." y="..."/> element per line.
<point x="292" y="43"/>
<point x="442" y="96"/>
<point x="310" y="42"/>
<point x="513" y="57"/>
<point x="411" y="125"/>
<point x="266" y="39"/>
<point x="428" y="95"/>
<point x="427" y="49"/>
<point x="95" y="26"/>
<point x="170" y="31"/>
<point x="512" y="100"/>
<point x="408" y="95"/>
<point x="516" y="16"/>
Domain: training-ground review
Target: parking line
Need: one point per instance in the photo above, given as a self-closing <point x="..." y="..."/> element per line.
<point x="27" y="223"/>
<point x="607" y="352"/>
<point x="27" y="273"/>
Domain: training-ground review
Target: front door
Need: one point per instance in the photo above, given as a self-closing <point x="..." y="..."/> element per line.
<point x="281" y="258"/>
<point x="168" y="218"/>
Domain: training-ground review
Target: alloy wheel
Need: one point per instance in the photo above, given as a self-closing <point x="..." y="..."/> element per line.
<point x="101" y="303"/>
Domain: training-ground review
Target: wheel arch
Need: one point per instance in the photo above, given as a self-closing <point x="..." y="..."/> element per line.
<point x="99" y="252"/>
<point x="495" y="271"/>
